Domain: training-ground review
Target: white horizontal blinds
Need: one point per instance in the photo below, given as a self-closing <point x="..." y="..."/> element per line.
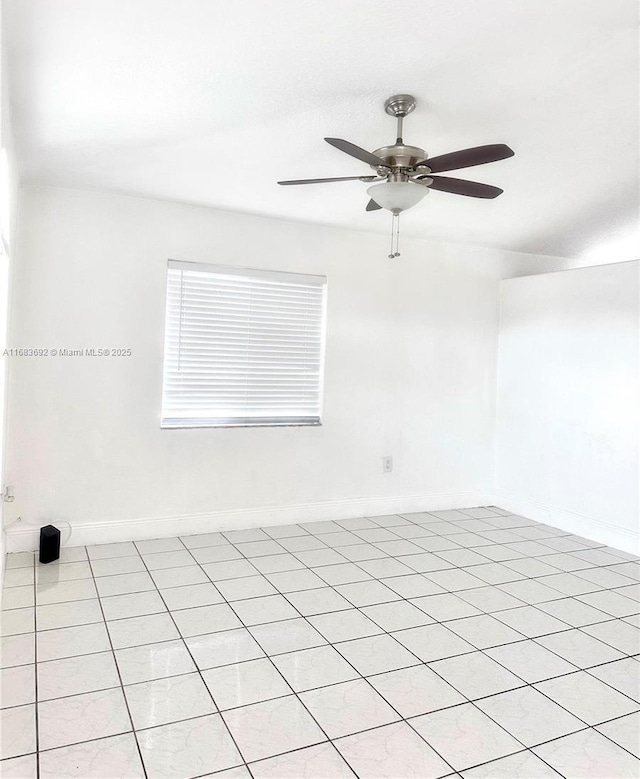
<point x="242" y="347"/>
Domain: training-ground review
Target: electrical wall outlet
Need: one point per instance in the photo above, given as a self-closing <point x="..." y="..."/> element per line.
<point x="387" y="464"/>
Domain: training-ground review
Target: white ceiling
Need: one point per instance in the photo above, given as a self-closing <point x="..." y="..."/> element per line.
<point x="211" y="101"/>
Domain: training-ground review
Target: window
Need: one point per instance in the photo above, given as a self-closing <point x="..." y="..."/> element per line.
<point x="242" y="347"/>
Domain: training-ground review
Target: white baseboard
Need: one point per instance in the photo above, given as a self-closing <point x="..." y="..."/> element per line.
<point x="23" y="537"/>
<point x="579" y="524"/>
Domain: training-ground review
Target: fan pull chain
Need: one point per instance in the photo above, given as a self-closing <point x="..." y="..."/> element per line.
<point x="395" y="236"/>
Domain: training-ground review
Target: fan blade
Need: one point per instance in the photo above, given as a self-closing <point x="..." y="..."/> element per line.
<point x="461" y="187"/>
<point x="356" y="151"/>
<point x="323" y="181"/>
<point x="373" y="206"/>
<point x="467" y="158"/>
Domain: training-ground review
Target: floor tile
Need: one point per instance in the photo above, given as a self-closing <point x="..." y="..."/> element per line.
<point x="20" y="767"/>
<point x="79" y="589"/>
<point x="246" y="587"/>
<point x="396" y="616"/>
<point x="579" y="648"/>
<point x="530" y="661"/>
<point x="244" y="683"/>
<point x="415" y="585"/>
<point x="531" y="566"/>
<point x="72" y="554"/>
<point x="367" y="593"/>
<point x="322" y="760"/>
<point x="490" y="599"/>
<point x="612" y="603"/>
<point x="205" y="619"/>
<point x="75" y="675"/>
<point x="376" y="654"/>
<point x="589" y="754"/>
<point x="62" y="572"/>
<point x="135" y="604"/>
<point x="415" y="690"/>
<point x="113" y="566"/>
<point x="433" y="642"/>
<point x="435" y="543"/>
<point x="427" y="562"/>
<point x="185" y="749"/>
<point x="462" y="557"/>
<point x="118" y="549"/>
<point x="153" y="661"/>
<point x="203" y="539"/>
<point x="344" y="625"/>
<point x="124" y="583"/>
<point x="376" y="535"/>
<point x="159" y="560"/>
<point x="65" y="721"/>
<point x="284" y="531"/>
<point x="618" y="634"/>
<point x="484" y="631"/>
<point x="455" y="580"/>
<point x="272" y="727"/>
<point x="62" y="615"/>
<point x="570" y="584"/>
<point x="524" y="765"/>
<point x="531" y="622"/>
<point x="259" y="548"/>
<point x="288" y="636"/>
<point x="302" y="543"/>
<point x="445" y="607"/>
<point x="389" y="520"/>
<point x="529" y="716"/>
<point x="604" y="577"/>
<point x="270" y="608"/>
<point x="243" y="536"/>
<point x="168" y="700"/>
<point x="343" y="573"/>
<point x="310" y="668"/>
<point x="320" y="601"/>
<point x="343" y="709"/>
<point x="17" y="731"/>
<point x="623" y="675"/>
<point x="391" y="751"/>
<point x="18" y="650"/>
<point x="216" y="554"/>
<point x="359" y="552"/>
<point x="475" y="675"/>
<point x="317" y="558"/>
<point x="19" y="577"/>
<point x="531" y="591"/>
<point x="17" y="621"/>
<point x="116" y="756"/>
<point x="624" y="731"/>
<point x="399" y="547"/>
<point x="141" y="630"/>
<point x="464" y="736"/>
<point x="574" y="612"/>
<point x="191" y="596"/>
<point x="295" y="581"/>
<point x="565" y="562"/>
<point x="276" y="563"/>
<point x="179" y="577"/>
<point x="228" y="646"/>
<point x="159" y="545"/>
<point x="588" y="698"/>
<point x="19" y="560"/>
<point x="385" y="567"/>
<point x="18" y="686"/>
<point x="234" y="569"/>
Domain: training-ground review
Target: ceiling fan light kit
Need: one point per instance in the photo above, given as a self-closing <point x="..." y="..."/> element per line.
<point x="404" y="174"/>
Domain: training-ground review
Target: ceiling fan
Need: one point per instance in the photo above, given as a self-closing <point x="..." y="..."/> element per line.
<point x="405" y="174"/>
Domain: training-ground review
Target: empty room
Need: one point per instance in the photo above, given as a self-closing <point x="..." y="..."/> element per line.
<point x="319" y="389"/>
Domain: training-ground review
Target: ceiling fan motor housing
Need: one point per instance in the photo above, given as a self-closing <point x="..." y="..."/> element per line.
<point x="401" y="156"/>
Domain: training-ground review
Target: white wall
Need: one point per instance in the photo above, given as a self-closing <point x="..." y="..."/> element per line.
<point x="410" y="372"/>
<point x="568" y="400"/>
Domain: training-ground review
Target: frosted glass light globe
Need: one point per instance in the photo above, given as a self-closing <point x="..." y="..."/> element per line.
<point x="397" y="196"/>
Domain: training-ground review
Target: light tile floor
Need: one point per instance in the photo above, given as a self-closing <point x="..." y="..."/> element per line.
<point x="469" y="643"/>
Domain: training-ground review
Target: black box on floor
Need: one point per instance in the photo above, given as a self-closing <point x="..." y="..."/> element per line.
<point x="49" y="544"/>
